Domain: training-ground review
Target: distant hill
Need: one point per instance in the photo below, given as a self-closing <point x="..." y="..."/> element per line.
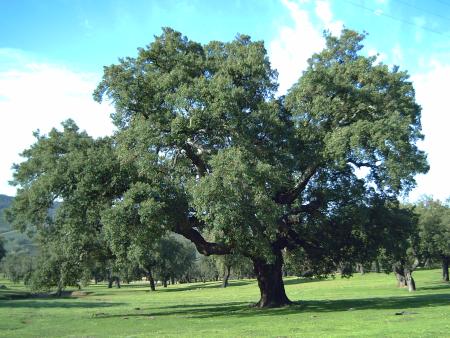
<point x="5" y="202"/>
<point x="15" y="241"/>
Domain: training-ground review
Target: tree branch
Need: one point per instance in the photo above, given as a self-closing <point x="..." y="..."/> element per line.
<point x="198" y="162"/>
<point x="204" y="247"/>
<point x="287" y="197"/>
<point x="290" y="238"/>
<point x="362" y="164"/>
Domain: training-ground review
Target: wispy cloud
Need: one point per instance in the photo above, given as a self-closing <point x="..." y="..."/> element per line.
<point x="36" y="95"/>
<point x="294" y="44"/>
<point x="431" y="93"/>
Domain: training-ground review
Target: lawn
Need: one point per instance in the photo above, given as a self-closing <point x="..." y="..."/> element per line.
<point x="362" y="306"/>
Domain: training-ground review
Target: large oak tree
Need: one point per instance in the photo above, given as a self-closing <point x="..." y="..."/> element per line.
<point x="205" y="149"/>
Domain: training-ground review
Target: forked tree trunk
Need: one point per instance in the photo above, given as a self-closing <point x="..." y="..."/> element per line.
<point x="226" y="276"/>
<point x="410" y="281"/>
<point x="400" y="275"/>
<point x="401" y="281"/>
<point x="445" y="262"/>
<point x="270" y="282"/>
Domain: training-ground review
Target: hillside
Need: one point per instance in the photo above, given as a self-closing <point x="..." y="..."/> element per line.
<point x="15" y="241"/>
<point x="5" y="201"/>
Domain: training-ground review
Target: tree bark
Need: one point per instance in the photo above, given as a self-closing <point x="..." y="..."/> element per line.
<point x="165" y="282"/>
<point x="410" y="281"/>
<point x="270" y="282"/>
<point x="110" y="282"/>
<point x="152" y="281"/>
<point x="445" y="263"/>
<point x="400" y="275"/>
<point x="117" y="282"/>
<point x="360" y="268"/>
<point x="226" y="276"/>
<point x="377" y="266"/>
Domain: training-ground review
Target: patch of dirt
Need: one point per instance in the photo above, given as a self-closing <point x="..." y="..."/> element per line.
<point x="79" y="293"/>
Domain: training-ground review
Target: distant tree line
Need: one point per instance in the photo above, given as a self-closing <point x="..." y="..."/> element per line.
<point x="418" y="236"/>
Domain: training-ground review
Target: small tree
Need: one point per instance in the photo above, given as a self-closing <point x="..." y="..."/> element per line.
<point x="400" y="251"/>
<point x="2" y="248"/>
<point x="18" y="267"/>
<point x="434" y="232"/>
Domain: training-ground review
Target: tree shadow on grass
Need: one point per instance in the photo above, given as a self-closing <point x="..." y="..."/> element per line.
<point x="244" y="310"/>
<point x="439" y="286"/>
<point x="207" y="285"/>
<point x="304" y="280"/>
<point x="54" y="303"/>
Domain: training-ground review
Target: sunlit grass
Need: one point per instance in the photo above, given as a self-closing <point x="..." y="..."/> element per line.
<point x="362" y="306"/>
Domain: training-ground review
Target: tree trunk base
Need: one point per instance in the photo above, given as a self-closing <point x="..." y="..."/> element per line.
<point x="445" y="264"/>
<point x="261" y="305"/>
<point x="270" y="282"/>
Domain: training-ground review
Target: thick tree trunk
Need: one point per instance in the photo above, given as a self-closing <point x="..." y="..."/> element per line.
<point x="118" y="282"/>
<point x="165" y="282"/>
<point x="377" y="266"/>
<point x="270" y="282"/>
<point x="410" y="281"/>
<point x="59" y="289"/>
<point x="445" y="263"/>
<point x="172" y="280"/>
<point x="152" y="281"/>
<point x="360" y="268"/>
<point x="226" y="276"/>
<point x="110" y="282"/>
<point x="400" y="275"/>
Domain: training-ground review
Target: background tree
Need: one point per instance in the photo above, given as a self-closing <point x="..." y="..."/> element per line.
<point x="18" y="266"/>
<point x="2" y="248"/>
<point x="206" y="269"/>
<point x="80" y="174"/>
<point x="434" y="232"/>
<point x="399" y="250"/>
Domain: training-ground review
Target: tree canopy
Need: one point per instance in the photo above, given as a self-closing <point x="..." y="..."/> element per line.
<point x="205" y="149"/>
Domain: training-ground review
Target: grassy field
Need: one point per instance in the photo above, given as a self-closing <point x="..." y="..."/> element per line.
<point x="362" y="306"/>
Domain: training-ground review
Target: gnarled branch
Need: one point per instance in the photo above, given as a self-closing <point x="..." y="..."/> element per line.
<point x="189" y="231"/>
<point x="287" y="197"/>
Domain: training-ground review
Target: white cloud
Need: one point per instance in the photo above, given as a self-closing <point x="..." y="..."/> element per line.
<point x="323" y="12"/>
<point x="292" y="47"/>
<point x="36" y="95"/>
<point x="432" y="93"/>
<point x="397" y="55"/>
<point x="381" y="57"/>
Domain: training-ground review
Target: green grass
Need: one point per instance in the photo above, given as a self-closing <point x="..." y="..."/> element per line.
<point x="358" y="307"/>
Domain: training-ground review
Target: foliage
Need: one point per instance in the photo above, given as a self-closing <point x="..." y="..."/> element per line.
<point x="18" y="267"/>
<point x="434" y="228"/>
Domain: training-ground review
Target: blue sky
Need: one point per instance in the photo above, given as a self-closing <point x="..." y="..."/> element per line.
<point x="52" y="54"/>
